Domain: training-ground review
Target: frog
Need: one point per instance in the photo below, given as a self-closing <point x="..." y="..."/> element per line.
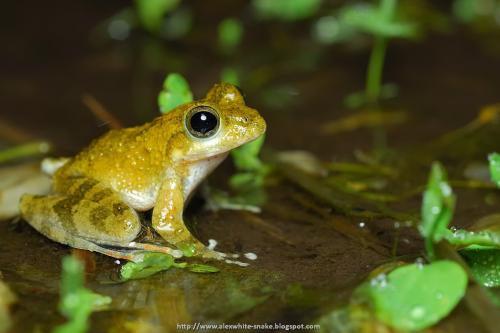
<point x="97" y="195"/>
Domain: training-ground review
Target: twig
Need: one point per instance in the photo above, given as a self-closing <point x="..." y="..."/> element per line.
<point x="100" y="112"/>
<point x="12" y="133"/>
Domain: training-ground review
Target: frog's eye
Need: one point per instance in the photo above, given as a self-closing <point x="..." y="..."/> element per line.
<point x="202" y="122"/>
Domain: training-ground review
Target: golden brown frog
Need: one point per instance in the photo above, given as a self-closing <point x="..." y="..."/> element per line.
<point x="157" y="165"/>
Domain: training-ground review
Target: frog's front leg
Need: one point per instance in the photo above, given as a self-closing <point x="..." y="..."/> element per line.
<point x="168" y="222"/>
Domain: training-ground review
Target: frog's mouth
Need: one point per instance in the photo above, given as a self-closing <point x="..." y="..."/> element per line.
<point x="205" y="157"/>
<point x="190" y="158"/>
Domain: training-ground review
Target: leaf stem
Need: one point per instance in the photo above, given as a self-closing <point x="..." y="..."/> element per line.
<point x="375" y="66"/>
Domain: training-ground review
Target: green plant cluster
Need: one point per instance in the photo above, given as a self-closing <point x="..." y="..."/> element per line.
<point x="77" y="302"/>
<point x="413" y="297"/>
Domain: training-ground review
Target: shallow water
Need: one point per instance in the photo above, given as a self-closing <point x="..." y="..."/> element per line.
<point x="53" y="54"/>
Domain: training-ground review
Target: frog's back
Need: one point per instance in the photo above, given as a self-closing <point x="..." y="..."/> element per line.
<point x="121" y="159"/>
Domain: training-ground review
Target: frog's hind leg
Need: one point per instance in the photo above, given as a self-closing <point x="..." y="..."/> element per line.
<point x="90" y="217"/>
<point x="61" y="219"/>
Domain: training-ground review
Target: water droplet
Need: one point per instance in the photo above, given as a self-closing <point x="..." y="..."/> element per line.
<point x="379" y="281"/>
<point x="417" y="312"/>
<point x="419" y="262"/>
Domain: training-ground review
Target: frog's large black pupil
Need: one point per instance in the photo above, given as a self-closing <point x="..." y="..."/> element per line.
<point x="203" y="122"/>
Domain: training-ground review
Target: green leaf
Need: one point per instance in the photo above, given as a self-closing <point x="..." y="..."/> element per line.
<point x="230" y="33"/>
<point x="151" y="12"/>
<point x="378" y="21"/>
<point x="77" y="302"/>
<point x="230" y="75"/>
<point x="246" y="157"/>
<point x="201" y="268"/>
<point x="175" y="92"/>
<point x="329" y="29"/>
<point x="437" y="207"/>
<point x="483" y="233"/>
<point x="485" y="265"/>
<point x="414" y="297"/>
<point x="150" y="264"/>
<point x="246" y="180"/>
<point x="466" y="10"/>
<point x="286" y="10"/>
<point x="494" y="160"/>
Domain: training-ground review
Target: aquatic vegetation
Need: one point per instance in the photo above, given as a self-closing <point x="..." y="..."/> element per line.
<point x="32" y="149"/>
<point x="175" y="92"/>
<point x="484" y="263"/>
<point x="437" y="213"/>
<point x="230" y="75"/>
<point x="494" y="160"/>
<point x="437" y="208"/>
<point x="77" y="302"/>
<point x="230" y="34"/>
<point x="286" y="10"/>
<point x="381" y="23"/>
<point x="152" y="12"/>
<point x="470" y="10"/>
<point x="150" y="263"/>
<point x="416" y="296"/>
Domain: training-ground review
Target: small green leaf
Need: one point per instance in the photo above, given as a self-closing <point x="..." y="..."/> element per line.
<point x="150" y="264"/>
<point x="230" y="33"/>
<point x="414" y="297"/>
<point x="201" y="268"/>
<point x="494" y="160"/>
<point x="329" y="29"/>
<point x="378" y="21"/>
<point x="151" y="12"/>
<point x="466" y="10"/>
<point x="246" y="157"/>
<point x="243" y="180"/>
<point x="286" y="10"/>
<point x="77" y="302"/>
<point x="483" y="233"/>
<point x="485" y="265"/>
<point x="437" y="207"/>
<point x="175" y="92"/>
<point x="230" y="75"/>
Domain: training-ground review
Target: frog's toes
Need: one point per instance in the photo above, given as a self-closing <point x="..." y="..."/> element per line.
<point x="229" y="258"/>
<point x="250" y="256"/>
